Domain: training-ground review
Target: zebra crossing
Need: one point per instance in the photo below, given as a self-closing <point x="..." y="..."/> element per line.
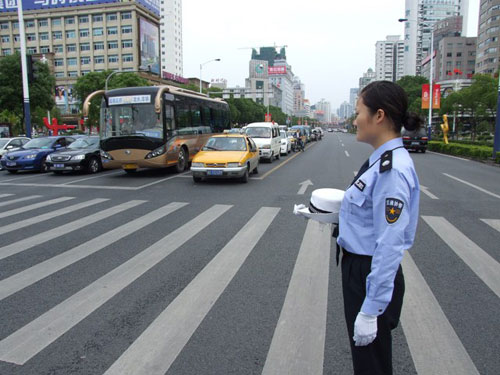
<point x="298" y="341"/>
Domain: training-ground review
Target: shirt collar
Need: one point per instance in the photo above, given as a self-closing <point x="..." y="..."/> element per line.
<point x="389" y="145"/>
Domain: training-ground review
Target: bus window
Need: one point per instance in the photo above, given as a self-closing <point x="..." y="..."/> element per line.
<point x="183" y="118"/>
<point x="206" y="117"/>
<point x="169" y="120"/>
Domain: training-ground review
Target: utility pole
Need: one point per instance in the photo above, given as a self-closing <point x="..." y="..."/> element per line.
<point x="496" y="143"/>
<point x="24" y="70"/>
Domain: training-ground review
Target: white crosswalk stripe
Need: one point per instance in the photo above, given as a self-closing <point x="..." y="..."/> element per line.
<point x="26" y="342"/>
<point x="478" y="260"/>
<point x="38" y="239"/>
<point x="33" y="274"/>
<point x="298" y="342"/>
<point x="23" y="199"/>
<point x="5" y="195"/>
<point x="33" y="206"/>
<point x="156" y="349"/>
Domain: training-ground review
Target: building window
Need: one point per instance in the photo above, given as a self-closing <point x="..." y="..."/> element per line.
<point x="83" y="19"/>
<point x="57" y="35"/>
<point x="59" y="74"/>
<point x="45" y="49"/>
<point x="84" y="46"/>
<point x="6" y="51"/>
<point x="31" y="50"/>
<point x="45" y="22"/>
<point x="126" y="29"/>
<point x="31" y="37"/>
<point x="29" y="24"/>
<point x="111" y="17"/>
<point x="4" y="26"/>
<point x="448" y="54"/>
<point x="58" y="62"/>
<point x="70" y="34"/>
<point x="84" y="33"/>
<point x="112" y="30"/>
<point x="5" y="39"/>
<point x="58" y="48"/>
<point x="69" y="20"/>
<point x="126" y="15"/>
<point x="459" y="54"/>
<point x="127" y="58"/>
<point x="97" y="31"/>
<point x="84" y="60"/>
<point x="71" y="48"/>
<point x="73" y="73"/>
<point x="113" y="44"/>
<point x="85" y="72"/>
<point x="15" y="25"/>
<point x="97" y="18"/>
<point x="112" y="59"/>
<point x="98" y="46"/>
<point x="71" y="61"/>
<point x="43" y="36"/>
<point x="127" y="43"/>
<point x="98" y="59"/>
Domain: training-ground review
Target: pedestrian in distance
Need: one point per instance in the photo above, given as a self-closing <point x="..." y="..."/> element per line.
<point x="377" y="223"/>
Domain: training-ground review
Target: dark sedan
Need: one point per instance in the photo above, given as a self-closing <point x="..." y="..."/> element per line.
<point x="415" y="140"/>
<point x="32" y="155"/>
<point x="81" y="155"/>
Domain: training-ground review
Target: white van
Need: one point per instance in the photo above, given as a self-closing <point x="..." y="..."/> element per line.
<point x="267" y="137"/>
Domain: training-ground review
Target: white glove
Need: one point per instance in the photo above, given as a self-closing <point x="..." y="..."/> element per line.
<point x="365" y="329"/>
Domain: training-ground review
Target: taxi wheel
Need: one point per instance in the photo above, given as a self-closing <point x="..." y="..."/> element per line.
<point x="244" y="178"/>
<point x="130" y="171"/>
<point x="255" y="170"/>
<point x="43" y="167"/>
<point x="182" y="160"/>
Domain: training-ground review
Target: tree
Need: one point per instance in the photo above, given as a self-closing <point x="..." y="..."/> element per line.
<point x="40" y="89"/>
<point x="413" y="88"/>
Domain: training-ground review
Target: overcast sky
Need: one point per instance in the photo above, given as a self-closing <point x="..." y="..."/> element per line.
<point x="330" y="42"/>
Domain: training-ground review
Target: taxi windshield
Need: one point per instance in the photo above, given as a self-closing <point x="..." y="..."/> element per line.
<point x="259" y="132"/>
<point x="225" y="144"/>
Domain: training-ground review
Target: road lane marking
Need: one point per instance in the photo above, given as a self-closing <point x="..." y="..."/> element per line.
<point x="98" y="187"/>
<point x="25" y="177"/>
<point x="478" y="260"/>
<point x="426" y="191"/>
<point x="346" y="153"/>
<point x="433" y="343"/>
<point x="28" y="243"/>
<point x="28" y="341"/>
<point x="355" y="173"/>
<point x="472" y="185"/>
<point x="303" y="186"/>
<point x="34" y="206"/>
<point x="162" y="180"/>
<point x="5" y="195"/>
<point x="495" y="224"/>
<point x="29" y="276"/>
<point x="159" y="345"/>
<point x="298" y="343"/>
<point x="93" y="177"/>
<point x="49" y="215"/>
<point x="448" y="156"/>
<point x="12" y="201"/>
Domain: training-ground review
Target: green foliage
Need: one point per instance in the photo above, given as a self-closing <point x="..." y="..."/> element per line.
<point x="459" y="149"/>
<point x="413" y="88"/>
<point x="11" y="94"/>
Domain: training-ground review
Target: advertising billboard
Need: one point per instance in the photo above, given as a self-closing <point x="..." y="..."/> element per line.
<point x="149" y="46"/>
<point x="276" y="70"/>
<point x="436" y="96"/>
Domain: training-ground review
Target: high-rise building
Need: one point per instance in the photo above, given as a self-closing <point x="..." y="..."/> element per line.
<point x="488" y="45"/>
<point x="299" y="94"/>
<point x="171" y="37"/>
<point x="389" y="60"/>
<point x="281" y="76"/>
<point x="422" y="15"/>
<point x="368" y="77"/>
<point x="353" y="97"/>
<point x="345" y="111"/>
<point x="323" y="111"/>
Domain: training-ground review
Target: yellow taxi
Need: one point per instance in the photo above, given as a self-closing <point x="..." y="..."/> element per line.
<point x="226" y="156"/>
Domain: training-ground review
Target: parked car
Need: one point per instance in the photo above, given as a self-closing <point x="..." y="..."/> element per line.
<point x="286" y="144"/>
<point x="81" y="155"/>
<point x="266" y="136"/>
<point x="32" y="156"/>
<point x="302" y="132"/>
<point x="226" y="156"/>
<point x="415" y="140"/>
<point x="319" y="133"/>
<point x="11" y="144"/>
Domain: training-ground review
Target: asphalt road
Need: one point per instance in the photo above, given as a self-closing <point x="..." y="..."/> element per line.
<point x="153" y="274"/>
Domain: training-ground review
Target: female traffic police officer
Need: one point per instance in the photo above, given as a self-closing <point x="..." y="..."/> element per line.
<point x="377" y="223"/>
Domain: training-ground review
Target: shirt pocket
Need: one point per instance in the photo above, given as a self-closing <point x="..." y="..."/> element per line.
<point x="360" y="206"/>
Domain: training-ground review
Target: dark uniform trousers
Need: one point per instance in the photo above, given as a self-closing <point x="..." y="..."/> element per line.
<point x="375" y="358"/>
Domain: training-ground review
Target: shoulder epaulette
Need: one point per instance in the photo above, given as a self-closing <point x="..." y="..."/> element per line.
<point x="386" y="161"/>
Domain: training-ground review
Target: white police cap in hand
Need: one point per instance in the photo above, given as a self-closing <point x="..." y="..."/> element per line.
<point x="324" y="206"/>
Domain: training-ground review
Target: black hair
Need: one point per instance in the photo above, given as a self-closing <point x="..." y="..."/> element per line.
<point x="392" y="99"/>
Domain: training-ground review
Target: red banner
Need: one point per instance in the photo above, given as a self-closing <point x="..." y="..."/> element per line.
<point x="425" y="96"/>
<point x="268" y="117"/>
<point x="436" y="96"/>
<point x="276" y="70"/>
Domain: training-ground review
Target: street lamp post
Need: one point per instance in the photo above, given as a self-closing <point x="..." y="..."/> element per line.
<point x="201" y="67"/>
<point x="24" y="71"/>
<point x="496" y="143"/>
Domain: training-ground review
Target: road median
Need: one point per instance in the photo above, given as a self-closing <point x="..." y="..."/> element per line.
<point x="476" y="152"/>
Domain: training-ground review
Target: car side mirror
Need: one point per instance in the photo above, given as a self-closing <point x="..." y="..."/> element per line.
<point x="9" y="147"/>
<point x="57" y="146"/>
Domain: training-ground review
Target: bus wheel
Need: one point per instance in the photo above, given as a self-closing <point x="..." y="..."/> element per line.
<point x="182" y="160"/>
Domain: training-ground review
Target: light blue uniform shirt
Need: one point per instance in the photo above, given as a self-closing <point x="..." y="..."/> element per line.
<point x="378" y="217"/>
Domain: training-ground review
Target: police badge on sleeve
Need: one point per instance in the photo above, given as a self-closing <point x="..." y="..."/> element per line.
<point x="393" y="209"/>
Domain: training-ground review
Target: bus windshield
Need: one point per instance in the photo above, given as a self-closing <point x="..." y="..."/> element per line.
<point x="133" y="119"/>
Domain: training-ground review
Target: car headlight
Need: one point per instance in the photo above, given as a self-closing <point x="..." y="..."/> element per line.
<point x="266" y="147"/>
<point x="233" y="165"/>
<point x="105" y="155"/>
<point x="32" y="156"/>
<point x="157" y="152"/>
<point x="78" y="157"/>
<point x="48" y="158"/>
<point x="197" y="165"/>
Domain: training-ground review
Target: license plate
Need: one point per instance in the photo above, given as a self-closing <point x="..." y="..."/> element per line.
<point x="129" y="166"/>
<point x="415" y="143"/>
<point x="214" y="173"/>
<point x="11" y="164"/>
<point x="58" y="165"/>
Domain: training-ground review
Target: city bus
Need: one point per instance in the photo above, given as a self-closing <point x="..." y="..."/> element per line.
<point x="155" y="126"/>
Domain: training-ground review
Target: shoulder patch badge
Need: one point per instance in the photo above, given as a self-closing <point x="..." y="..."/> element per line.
<point x="393" y="209"/>
<point x="360" y="185"/>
